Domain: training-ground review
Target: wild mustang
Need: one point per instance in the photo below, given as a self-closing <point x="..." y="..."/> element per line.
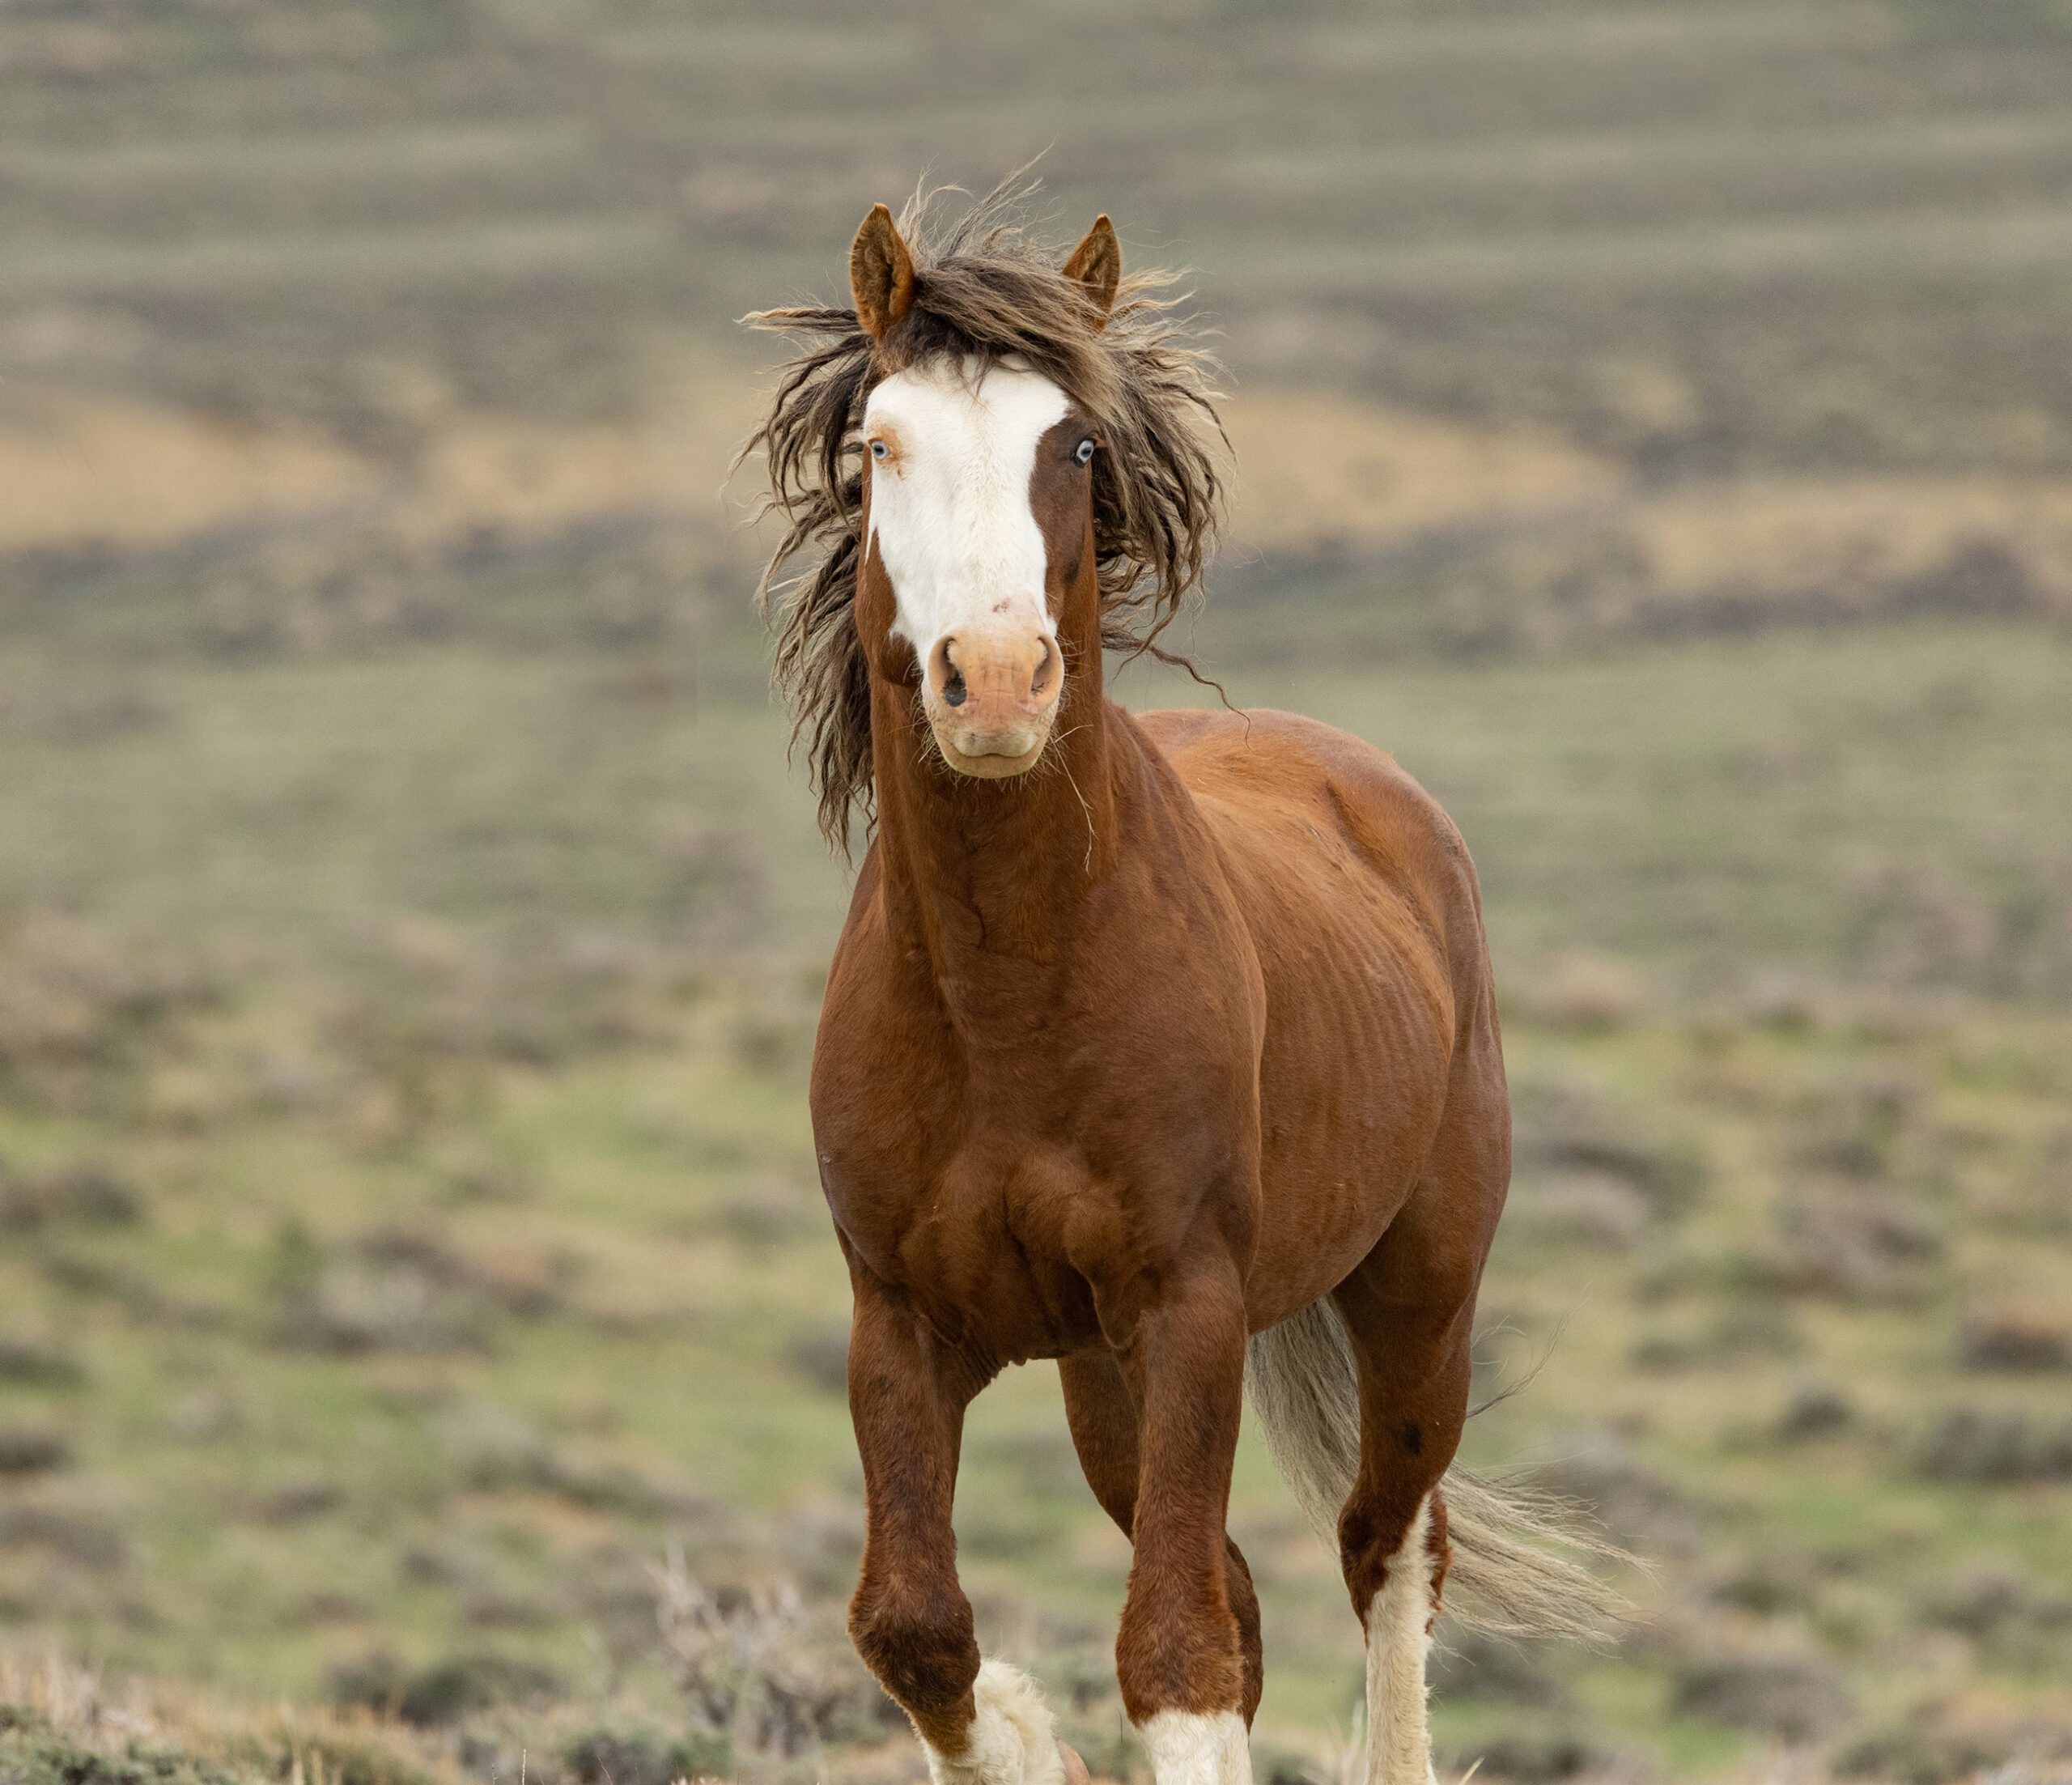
<point x="1161" y="1044"/>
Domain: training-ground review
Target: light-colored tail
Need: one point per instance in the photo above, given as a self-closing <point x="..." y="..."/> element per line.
<point x="1517" y="1554"/>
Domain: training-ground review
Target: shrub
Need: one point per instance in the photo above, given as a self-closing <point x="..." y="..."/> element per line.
<point x="26" y="1452"/>
<point x="1473" y="1664"/>
<point x="446" y="1691"/>
<point x="2024" y="1340"/>
<point x="1636" y="1507"/>
<point x="822" y="1358"/>
<point x="754" y="1666"/>
<point x="2006" y="1613"/>
<point x="1794" y="1697"/>
<point x="1534" y="1757"/>
<point x="1966" y="1445"/>
<point x="1815" y="1411"/>
<point x="87" y="1194"/>
<point x="604" y="1756"/>
<point x="299" y="1500"/>
<point x="1768" y="1585"/>
<point x="80" y="1014"/>
<point x="1751" y="1328"/>
<point x="1913" y="1754"/>
<point x="392" y="1290"/>
<point x="1567" y="1129"/>
<point x="1854" y="1243"/>
<point x="29" y="1365"/>
<point x="89" y="1542"/>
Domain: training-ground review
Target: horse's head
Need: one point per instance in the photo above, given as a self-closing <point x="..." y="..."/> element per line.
<point x="978" y="514"/>
<point x="1001" y="466"/>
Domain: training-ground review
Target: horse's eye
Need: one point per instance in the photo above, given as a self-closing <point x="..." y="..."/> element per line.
<point x="1084" y="455"/>
<point x="880" y="451"/>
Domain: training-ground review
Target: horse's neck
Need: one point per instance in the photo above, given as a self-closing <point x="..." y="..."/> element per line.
<point x="1003" y="869"/>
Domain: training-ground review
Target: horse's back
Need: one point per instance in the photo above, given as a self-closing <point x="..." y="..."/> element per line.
<point x="1284" y="792"/>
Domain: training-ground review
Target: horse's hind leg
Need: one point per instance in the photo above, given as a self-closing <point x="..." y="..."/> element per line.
<point x="1103" y="1418"/>
<point x="1409" y="1309"/>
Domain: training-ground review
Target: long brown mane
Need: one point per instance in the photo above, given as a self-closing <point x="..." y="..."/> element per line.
<point x="984" y="289"/>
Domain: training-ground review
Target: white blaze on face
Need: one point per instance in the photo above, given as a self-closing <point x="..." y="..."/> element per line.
<point x="950" y="513"/>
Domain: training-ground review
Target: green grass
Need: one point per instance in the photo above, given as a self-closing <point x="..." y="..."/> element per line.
<point x="1711" y="812"/>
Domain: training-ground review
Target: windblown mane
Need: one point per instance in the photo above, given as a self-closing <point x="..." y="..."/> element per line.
<point x="982" y="289"/>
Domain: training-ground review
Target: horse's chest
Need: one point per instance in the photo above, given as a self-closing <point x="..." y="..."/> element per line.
<point x="980" y="1240"/>
<point x="993" y="1150"/>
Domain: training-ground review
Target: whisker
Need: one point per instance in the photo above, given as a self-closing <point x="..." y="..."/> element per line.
<point x="1088" y="865"/>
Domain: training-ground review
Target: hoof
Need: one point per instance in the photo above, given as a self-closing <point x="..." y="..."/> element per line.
<point x="1075" y="1767"/>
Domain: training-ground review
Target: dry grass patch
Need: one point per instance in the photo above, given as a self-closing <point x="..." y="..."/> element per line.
<point x="63" y="1724"/>
<point x="1318" y="472"/>
<point x="78" y="470"/>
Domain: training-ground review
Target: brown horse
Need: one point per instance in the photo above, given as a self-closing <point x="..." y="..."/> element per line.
<point x="1161" y="1045"/>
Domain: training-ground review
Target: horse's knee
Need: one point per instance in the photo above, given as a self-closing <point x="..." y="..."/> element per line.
<point x="924" y="1653"/>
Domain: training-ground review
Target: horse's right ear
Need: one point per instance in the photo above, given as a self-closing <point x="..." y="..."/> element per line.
<point x="881" y="275"/>
<point x="1097" y="265"/>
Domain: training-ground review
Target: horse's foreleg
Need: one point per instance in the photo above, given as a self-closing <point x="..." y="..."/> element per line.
<point x="1179" y="1657"/>
<point x="1104" y="1431"/>
<point x="982" y="1723"/>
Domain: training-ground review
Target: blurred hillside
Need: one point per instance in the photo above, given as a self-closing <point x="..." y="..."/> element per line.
<point x="1654" y="425"/>
<point x="1787" y="283"/>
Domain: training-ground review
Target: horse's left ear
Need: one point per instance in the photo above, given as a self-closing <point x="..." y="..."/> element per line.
<point x="1097" y="264"/>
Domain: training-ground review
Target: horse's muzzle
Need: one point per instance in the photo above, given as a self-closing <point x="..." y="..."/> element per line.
<point x="991" y="697"/>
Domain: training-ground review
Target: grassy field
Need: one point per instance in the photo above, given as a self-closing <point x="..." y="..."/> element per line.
<point x="416" y="1306"/>
<point x="413" y="1223"/>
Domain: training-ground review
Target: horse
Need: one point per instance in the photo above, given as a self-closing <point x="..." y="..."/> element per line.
<point x="1164" y="1045"/>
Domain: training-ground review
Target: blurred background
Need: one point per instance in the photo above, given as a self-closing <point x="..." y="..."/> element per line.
<point x="417" y="1309"/>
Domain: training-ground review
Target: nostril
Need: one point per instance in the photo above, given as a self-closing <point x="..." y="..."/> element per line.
<point x="943" y="671"/>
<point x="1046" y="668"/>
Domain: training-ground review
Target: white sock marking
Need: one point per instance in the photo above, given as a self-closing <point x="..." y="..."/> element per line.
<point x="1398" y="1743"/>
<point x="1190" y="1747"/>
<point x="1013" y="1740"/>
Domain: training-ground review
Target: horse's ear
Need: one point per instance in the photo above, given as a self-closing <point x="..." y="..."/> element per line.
<point x="881" y="275"/>
<point x="1097" y="264"/>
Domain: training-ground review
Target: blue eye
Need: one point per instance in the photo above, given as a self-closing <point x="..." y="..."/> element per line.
<point x="1084" y="455"/>
<point x="880" y="451"/>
